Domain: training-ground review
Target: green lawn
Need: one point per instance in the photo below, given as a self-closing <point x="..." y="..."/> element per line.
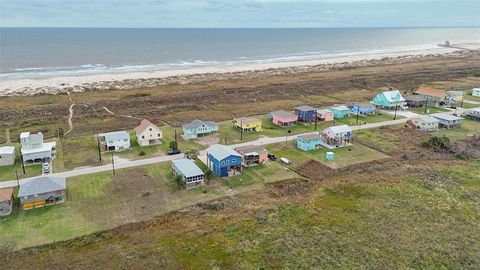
<point x="467" y="129"/>
<point x="375" y="118"/>
<point x="344" y="156"/>
<point x="430" y="109"/>
<point x="8" y="172"/>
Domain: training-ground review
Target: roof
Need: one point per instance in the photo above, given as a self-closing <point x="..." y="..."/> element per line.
<point x="114" y="135"/>
<point x="455" y="93"/>
<point x="251" y="148"/>
<point x="198" y="123"/>
<point x="247" y="120"/>
<point x="393" y="96"/>
<point x="6" y="194"/>
<point x="416" y="98"/>
<point x="7" y="150"/>
<point x="340" y="108"/>
<point x="364" y="104"/>
<point x="284" y="114"/>
<point x="144" y="124"/>
<point x="305" y="108"/>
<point x="24" y="135"/>
<point x="476" y="89"/>
<point x="428" y="119"/>
<point x="41" y="185"/>
<point x="446" y="116"/>
<point x="46" y="146"/>
<point x="221" y="152"/>
<point x="187" y="167"/>
<point x="428" y="91"/>
<point x="340" y="129"/>
<point x="310" y="137"/>
<point x="323" y="111"/>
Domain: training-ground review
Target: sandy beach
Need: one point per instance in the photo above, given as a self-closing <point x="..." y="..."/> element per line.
<point x="133" y="80"/>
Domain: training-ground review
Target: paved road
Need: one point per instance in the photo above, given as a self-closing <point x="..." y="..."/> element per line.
<point x="471" y="101"/>
<point x="160" y="159"/>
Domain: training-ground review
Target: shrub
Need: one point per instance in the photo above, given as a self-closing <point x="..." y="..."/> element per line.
<point x="142" y="153"/>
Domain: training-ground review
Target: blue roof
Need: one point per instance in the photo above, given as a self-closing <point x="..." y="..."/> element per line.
<point x="221" y="152"/>
<point x="187" y="167"/>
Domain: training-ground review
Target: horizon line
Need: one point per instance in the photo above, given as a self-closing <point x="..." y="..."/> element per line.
<point x="300" y="27"/>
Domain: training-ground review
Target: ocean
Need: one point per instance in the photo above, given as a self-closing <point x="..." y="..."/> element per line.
<point x="52" y="52"/>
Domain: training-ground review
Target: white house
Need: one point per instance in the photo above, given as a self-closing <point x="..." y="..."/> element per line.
<point x="114" y="141"/>
<point x="337" y="135"/>
<point x="476" y="92"/>
<point x="147" y="133"/>
<point x="34" y="150"/>
<point x="7" y="155"/>
<point x="425" y="123"/>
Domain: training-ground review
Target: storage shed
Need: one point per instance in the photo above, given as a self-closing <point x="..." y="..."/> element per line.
<point x="7" y="155"/>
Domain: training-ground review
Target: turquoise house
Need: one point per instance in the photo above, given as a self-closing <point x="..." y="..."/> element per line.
<point x="309" y="142"/>
<point x="340" y="111"/>
<point x="198" y="128"/>
<point x="389" y="99"/>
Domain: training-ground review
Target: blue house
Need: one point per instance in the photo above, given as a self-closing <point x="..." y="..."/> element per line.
<point x="340" y="111"/>
<point x="309" y="142"/>
<point x="364" y="108"/>
<point x="224" y="161"/>
<point x="306" y="113"/>
<point x="198" y="128"/>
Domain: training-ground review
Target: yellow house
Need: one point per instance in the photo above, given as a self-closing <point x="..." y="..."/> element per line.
<point x="248" y="123"/>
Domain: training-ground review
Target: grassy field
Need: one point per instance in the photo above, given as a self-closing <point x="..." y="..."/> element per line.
<point x="344" y="156"/>
<point x="430" y="109"/>
<point x="467" y="129"/>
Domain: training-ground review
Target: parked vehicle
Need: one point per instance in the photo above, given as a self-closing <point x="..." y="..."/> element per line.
<point x="272" y="157"/>
<point x="173" y="151"/>
<point x="46" y="167"/>
<point x="285" y="161"/>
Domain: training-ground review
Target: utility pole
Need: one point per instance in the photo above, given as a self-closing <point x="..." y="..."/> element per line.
<point x="358" y="110"/>
<point x="426" y="105"/>
<point x="99" y="150"/>
<point x="16" y="175"/>
<point x="241" y="129"/>
<point x="23" y="165"/>
<point x="113" y="164"/>
<point x="316" y="119"/>
<point x="395" y="116"/>
<point x="463" y="96"/>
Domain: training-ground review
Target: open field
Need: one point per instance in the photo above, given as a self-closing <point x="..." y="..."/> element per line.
<point x="430" y="109"/>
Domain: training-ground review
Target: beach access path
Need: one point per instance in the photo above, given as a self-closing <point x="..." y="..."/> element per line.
<point x="148" y="161"/>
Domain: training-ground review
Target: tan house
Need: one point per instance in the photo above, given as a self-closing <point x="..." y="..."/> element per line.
<point x="6" y="201"/>
<point x="7" y="155"/>
<point x="148" y="133"/>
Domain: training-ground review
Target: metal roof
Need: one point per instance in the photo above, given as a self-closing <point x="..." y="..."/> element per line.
<point x="310" y="137"/>
<point x="284" y="114"/>
<point x="187" y="167"/>
<point x="221" y="152"/>
<point x="115" y="135"/>
<point x="340" y="108"/>
<point x="393" y="96"/>
<point x="416" y="98"/>
<point x="7" y="150"/>
<point x="24" y="135"/>
<point x="198" y="123"/>
<point x="428" y="119"/>
<point x="340" y="129"/>
<point x="41" y="185"/>
<point x="251" y="148"/>
<point x="446" y="116"/>
<point x="323" y="111"/>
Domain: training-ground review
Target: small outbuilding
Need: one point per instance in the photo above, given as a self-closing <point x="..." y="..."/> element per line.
<point x="42" y="191"/>
<point x="340" y="111"/>
<point x="283" y="118"/>
<point x="337" y="135"/>
<point x="7" y="155"/>
<point x="447" y="120"/>
<point x="476" y="92"/>
<point x="114" y="141"/>
<point x="306" y="113"/>
<point x="191" y="174"/>
<point x="198" y="128"/>
<point x="416" y="101"/>
<point x="363" y="108"/>
<point x="424" y="123"/>
<point x="252" y="155"/>
<point x="309" y="142"/>
<point x="6" y="201"/>
<point x="224" y="161"/>
<point x="248" y="124"/>
<point x="148" y="133"/>
<point x="325" y="115"/>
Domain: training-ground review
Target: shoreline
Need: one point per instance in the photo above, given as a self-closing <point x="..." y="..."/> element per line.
<point x="148" y="79"/>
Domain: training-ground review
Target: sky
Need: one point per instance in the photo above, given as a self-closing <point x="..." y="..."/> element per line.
<point x="238" y="13"/>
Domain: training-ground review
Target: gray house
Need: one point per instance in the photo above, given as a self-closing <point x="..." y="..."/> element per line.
<point x="7" y="155"/>
<point x="34" y="150"/>
<point x="42" y="191"/>
<point x="189" y="171"/>
<point x="6" y="201"/>
<point x="448" y="120"/>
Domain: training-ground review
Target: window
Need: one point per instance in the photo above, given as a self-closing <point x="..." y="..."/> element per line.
<point x="223" y="163"/>
<point x="158" y="135"/>
<point x="228" y="162"/>
<point x="143" y="137"/>
<point x="150" y="129"/>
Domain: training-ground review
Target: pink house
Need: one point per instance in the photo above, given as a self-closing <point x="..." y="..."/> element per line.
<point x="325" y="115"/>
<point x="283" y="118"/>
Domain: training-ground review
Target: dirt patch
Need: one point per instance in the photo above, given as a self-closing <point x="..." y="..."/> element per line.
<point x="289" y="187"/>
<point x="314" y="170"/>
<point x="208" y="140"/>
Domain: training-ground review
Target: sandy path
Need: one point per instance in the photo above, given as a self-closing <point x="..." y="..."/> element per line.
<point x="70" y="110"/>
<point x="124" y="115"/>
